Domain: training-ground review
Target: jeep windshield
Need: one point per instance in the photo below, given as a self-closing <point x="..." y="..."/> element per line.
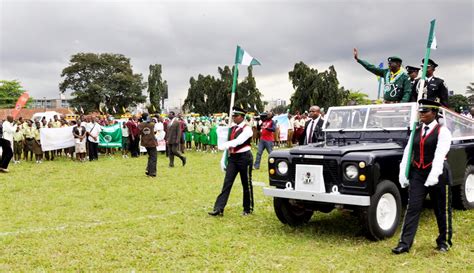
<point x="382" y="117"/>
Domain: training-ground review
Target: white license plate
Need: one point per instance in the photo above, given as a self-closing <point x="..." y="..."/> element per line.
<point x="309" y="178"/>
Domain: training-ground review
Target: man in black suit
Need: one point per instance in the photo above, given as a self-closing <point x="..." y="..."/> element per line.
<point x="413" y="74"/>
<point x="313" y="129"/>
<point x="173" y="139"/>
<point x="435" y="88"/>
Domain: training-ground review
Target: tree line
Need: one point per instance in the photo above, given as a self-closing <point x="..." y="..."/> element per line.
<point x="107" y="80"/>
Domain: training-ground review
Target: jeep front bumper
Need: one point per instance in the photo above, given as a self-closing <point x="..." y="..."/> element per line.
<point x="335" y="198"/>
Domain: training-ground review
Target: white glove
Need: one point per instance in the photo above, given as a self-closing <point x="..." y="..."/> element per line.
<point x="430" y="182"/>
<point x="403" y="181"/>
<point x="223" y="165"/>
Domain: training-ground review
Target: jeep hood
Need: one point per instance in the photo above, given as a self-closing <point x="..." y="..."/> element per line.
<point x="342" y="150"/>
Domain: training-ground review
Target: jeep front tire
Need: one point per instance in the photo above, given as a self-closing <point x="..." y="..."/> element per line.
<point x="383" y="215"/>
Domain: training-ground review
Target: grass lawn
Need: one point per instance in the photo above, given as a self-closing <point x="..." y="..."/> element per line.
<point x="107" y="215"/>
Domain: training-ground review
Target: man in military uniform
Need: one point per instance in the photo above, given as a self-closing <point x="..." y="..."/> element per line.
<point x="239" y="162"/>
<point x="431" y="144"/>
<point x="397" y="87"/>
<point x="435" y="88"/>
<point x="413" y="75"/>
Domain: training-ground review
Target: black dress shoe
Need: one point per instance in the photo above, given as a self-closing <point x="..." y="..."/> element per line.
<point x="184" y="161"/>
<point x="400" y="249"/>
<point x="442" y="249"/>
<point x="216" y="213"/>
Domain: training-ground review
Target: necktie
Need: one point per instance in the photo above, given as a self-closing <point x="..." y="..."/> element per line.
<point x="426" y="130"/>
<point x="310" y="138"/>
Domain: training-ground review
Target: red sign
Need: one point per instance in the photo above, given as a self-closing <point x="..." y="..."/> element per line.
<point x="20" y="103"/>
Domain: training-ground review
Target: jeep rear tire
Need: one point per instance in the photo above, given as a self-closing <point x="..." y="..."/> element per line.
<point x="383" y="215"/>
<point x="463" y="195"/>
<point x="291" y="214"/>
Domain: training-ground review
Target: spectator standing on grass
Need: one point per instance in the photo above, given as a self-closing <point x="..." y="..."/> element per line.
<point x="9" y="128"/>
<point x="189" y="134"/>
<point x="267" y="130"/>
<point x="79" y="133"/>
<point x="18" y="141"/>
<point x="125" y="141"/>
<point x="173" y="139"/>
<point x="291" y="130"/>
<point x="93" y="139"/>
<point x="37" y="144"/>
<point x="6" y="143"/>
<point x="134" y="136"/>
<point x="148" y="140"/>
<point x="29" y="133"/>
<point x="213" y="137"/>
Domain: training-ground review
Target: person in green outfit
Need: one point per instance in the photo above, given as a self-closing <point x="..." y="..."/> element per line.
<point x="213" y="137"/>
<point x="205" y="135"/>
<point x="397" y="87"/>
<point x="197" y="135"/>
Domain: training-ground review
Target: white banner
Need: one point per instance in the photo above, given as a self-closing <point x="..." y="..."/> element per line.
<point x="283" y="123"/>
<point x="222" y="136"/>
<point x="56" y="138"/>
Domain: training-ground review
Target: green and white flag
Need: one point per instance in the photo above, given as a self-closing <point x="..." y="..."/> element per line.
<point x="111" y="136"/>
<point x="244" y="58"/>
<point x="434" y="44"/>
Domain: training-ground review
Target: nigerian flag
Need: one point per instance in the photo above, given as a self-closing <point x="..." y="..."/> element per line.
<point x="244" y="58"/>
<point x="111" y="136"/>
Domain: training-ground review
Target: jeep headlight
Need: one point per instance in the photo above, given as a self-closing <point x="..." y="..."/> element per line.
<point x="351" y="171"/>
<point x="282" y="167"/>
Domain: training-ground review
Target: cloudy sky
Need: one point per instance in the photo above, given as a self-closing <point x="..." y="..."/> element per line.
<point x="37" y="38"/>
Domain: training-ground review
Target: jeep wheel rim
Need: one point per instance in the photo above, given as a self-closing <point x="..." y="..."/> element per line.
<point x="386" y="211"/>
<point x="469" y="188"/>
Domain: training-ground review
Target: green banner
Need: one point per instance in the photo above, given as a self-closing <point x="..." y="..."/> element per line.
<point x="111" y="136"/>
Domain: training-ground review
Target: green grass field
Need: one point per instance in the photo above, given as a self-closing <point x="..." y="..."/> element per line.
<point x="107" y="216"/>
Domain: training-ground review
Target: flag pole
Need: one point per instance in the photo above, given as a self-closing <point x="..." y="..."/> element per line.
<point x="380" y="82"/>
<point x="421" y="87"/>
<point x="425" y="61"/>
<point x="380" y="85"/>
<point x="232" y="99"/>
<point x="234" y="83"/>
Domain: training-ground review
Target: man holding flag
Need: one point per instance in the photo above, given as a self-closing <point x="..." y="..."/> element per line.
<point x="237" y="157"/>
<point x="240" y="161"/>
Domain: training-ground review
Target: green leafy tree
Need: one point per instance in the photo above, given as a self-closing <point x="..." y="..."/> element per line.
<point x="208" y="95"/>
<point x="315" y="88"/>
<point x="247" y="94"/>
<point x="10" y="91"/>
<point x="96" y="79"/>
<point x="157" y="88"/>
<point x="280" y="109"/>
<point x="471" y="99"/>
<point x="356" y="98"/>
<point x="196" y="101"/>
<point x="223" y="90"/>
<point x="470" y="89"/>
<point x="458" y="101"/>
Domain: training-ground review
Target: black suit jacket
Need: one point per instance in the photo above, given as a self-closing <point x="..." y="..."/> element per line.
<point x="317" y="132"/>
<point x="436" y="89"/>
